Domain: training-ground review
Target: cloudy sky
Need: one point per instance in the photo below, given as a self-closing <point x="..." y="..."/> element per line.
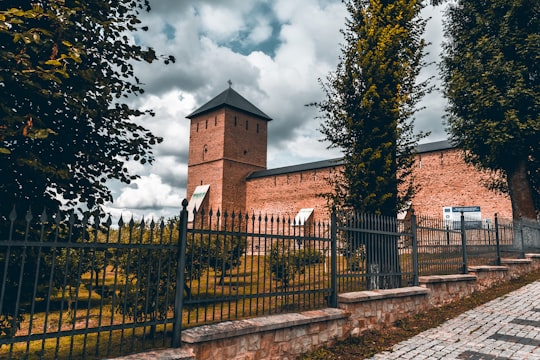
<point x="274" y="52"/>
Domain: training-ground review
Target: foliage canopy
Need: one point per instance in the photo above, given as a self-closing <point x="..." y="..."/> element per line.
<point x="491" y="76"/>
<point x="66" y="74"/>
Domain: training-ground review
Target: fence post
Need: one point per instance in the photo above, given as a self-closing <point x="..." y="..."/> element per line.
<point x="465" y="268"/>
<point x="414" y="240"/>
<point x="497" y="240"/>
<point x="333" y="260"/>
<point x="180" y="276"/>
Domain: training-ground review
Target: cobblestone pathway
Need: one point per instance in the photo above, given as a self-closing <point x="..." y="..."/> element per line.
<point x="502" y="329"/>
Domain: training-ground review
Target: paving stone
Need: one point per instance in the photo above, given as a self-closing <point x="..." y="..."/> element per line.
<point x="507" y="328"/>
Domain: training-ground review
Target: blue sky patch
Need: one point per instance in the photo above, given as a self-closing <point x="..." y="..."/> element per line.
<point x="169" y="31"/>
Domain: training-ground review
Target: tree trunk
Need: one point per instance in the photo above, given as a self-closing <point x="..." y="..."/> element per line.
<point x="520" y="192"/>
<point x="382" y="257"/>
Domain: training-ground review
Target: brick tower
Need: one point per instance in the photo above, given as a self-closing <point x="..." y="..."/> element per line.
<point x="228" y="140"/>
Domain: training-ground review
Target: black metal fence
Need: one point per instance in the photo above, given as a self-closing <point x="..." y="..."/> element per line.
<point x="374" y="252"/>
<point x="81" y="288"/>
<point x="450" y="247"/>
<point x="240" y="265"/>
<point x="88" y="288"/>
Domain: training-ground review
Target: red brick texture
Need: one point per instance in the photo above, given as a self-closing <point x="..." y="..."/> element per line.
<point x="224" y="147"/>
<point x="286" y="194"/>
<point x="445" y="180"/>
<point x="227" y="145"/>
<point x="443" y="177"/>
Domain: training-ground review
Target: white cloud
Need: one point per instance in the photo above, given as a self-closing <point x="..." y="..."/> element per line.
<point x="221" y="23"/>
<point x="261" y="32"/>
<point x="150" y="192"/>
<point x="303" y="44"/>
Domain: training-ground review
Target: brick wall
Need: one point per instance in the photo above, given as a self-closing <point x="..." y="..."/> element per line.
<point x="286" y="194"/>
<point x="245" y="138"/>
<point x="446" y="180"/>
<point x="225" y="146"/>
<point x="443" y="176"/>
<point x="207" y="173"/>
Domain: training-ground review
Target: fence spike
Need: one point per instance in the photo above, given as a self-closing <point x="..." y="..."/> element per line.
<point x="28" y="216"/>
<point x="13" y="214"/>
<point x="108" y="222"/>
<point x="57" y="217"/>
<point x="85" y="219"/>
<point x="121" y="221"/>
<point x="43" y="217"/>
<point x="97" y="220"/>
<point x="71" y="218"/>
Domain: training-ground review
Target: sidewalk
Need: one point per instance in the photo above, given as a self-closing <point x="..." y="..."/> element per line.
<point x="502" y="329"/>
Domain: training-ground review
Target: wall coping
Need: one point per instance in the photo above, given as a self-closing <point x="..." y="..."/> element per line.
<point x="433" y="279"/>
<point x="516" y="261"/>
<point x="533" y="255"/>
<point x="229" y="329"/>
<point x="487" y="268"/>
<point x="362" y="296"/>
<point x="160" y="354"/>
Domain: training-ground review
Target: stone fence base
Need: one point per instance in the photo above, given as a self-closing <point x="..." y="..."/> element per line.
<point x="288" y="336"/>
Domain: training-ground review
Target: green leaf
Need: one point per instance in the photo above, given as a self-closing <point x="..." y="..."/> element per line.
<point x="53" y="62"/>
<point x="41" y="134"/>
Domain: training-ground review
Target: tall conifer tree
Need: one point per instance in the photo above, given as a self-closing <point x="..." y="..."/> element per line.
<point x="370" y="101"/>
<point x="368" y="110"/>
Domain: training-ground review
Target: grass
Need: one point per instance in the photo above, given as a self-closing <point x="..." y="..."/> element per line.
<point x="372" y="342"/>
<point x="233" y="299"/>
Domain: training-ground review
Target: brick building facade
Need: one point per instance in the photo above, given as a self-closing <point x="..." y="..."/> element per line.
<point x="227" y="169"/>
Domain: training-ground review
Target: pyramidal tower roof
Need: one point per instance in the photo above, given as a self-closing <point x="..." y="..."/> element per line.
<point x="230" y="98"/>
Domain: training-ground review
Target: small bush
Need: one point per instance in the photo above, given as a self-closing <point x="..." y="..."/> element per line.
<point x="285" y="261"/>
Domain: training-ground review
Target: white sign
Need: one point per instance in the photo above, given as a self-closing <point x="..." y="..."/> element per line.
<point x="471" y="214"/>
